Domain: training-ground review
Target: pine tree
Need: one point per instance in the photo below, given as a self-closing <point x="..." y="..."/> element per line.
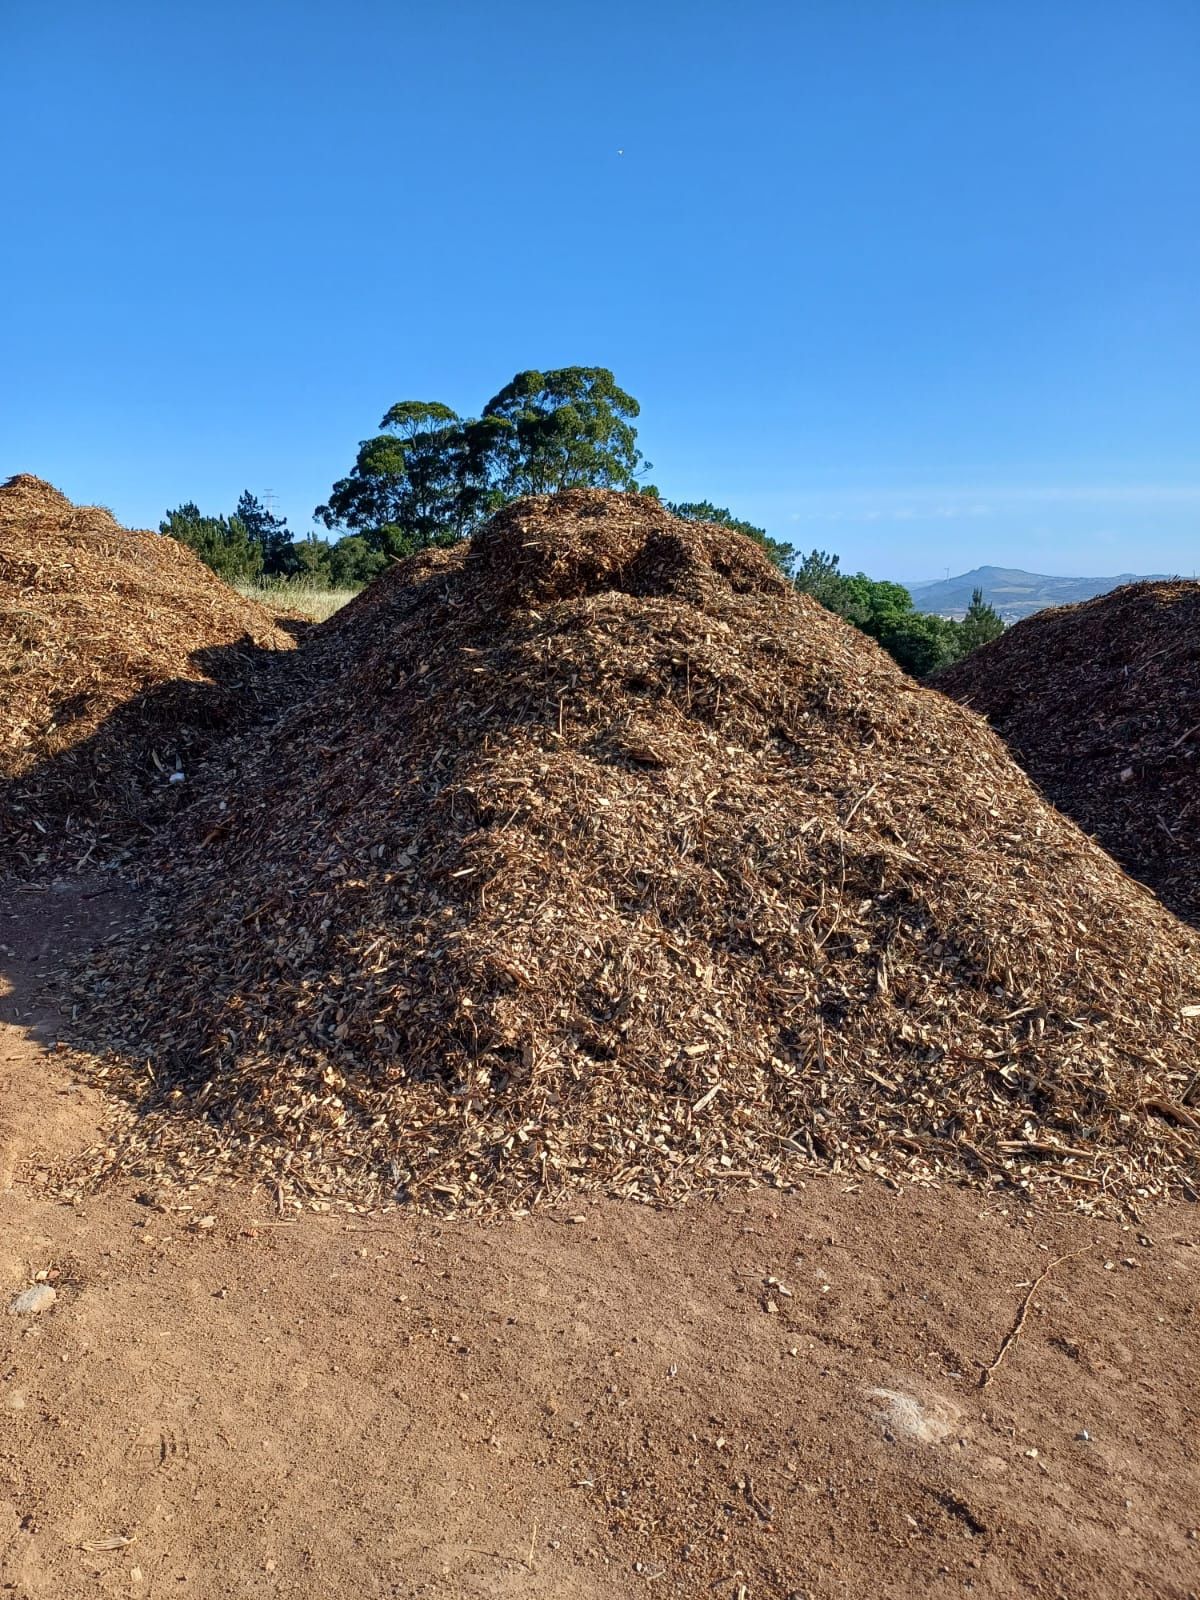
<point x="981" y="624"/>
<point x="270" y="533"/>
<point x="222" y="543"/>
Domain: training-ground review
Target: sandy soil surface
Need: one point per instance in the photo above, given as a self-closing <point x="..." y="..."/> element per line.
<point x="775" y="1396"/>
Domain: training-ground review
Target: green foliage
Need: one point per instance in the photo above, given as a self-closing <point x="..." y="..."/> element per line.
<point x="981" y="624"/>
<point x="222" y="543"/>
<point x="874" y="604"/>
<point x="565" y="429"/>
<point x="236" y="549"/>
<point x="240" y="548"/>
<point x="783" y="555"/>
<point x="921" y="643"/>
<point x="270" y="533"/>
<point x="353" y="563"/>
<point x="408" y="488"/>
<point x="818" y="574"/>
<point x="433" y="476"/>
<point x="350" y="563"/>
<point x="916" y="640"/>
<point x="311" y="560"/>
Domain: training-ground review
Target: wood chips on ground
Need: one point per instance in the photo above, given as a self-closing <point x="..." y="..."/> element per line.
<point x="122" y="657"/>
<point x="596" y="858"/>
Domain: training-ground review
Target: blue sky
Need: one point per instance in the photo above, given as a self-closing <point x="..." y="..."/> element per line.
<point x="913" y="280"/>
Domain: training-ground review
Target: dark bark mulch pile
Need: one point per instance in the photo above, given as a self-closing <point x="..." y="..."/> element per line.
<point x="1100" y="703"/>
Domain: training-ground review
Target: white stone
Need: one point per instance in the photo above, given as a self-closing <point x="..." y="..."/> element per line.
<point x="39" y="1298"/>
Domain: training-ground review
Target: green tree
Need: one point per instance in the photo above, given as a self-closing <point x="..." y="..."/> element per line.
<point x="783" y="555"/>
<point x="874" y="604"/>
<point x="569" y="428"/>
<point x="981" y="624"/>
<point x="312" y="559"/>
<point x="917" y="641"/>
<point x="269" y="532"/>
<point x="222" y="543"/>
<point x="819" y="574"/>
<point x="432" y="476"/>
<point x="411" y="486"/>
<point x="352" y="562"/>
<point x="921" y="642"/>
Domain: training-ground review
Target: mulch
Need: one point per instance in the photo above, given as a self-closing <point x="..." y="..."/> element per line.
<point x="594" y="858"/>
<point x="1100" y="703"/>
<point x="122" y="660"/>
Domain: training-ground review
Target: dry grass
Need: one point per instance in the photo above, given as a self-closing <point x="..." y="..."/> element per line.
<point x="297" y="594"/>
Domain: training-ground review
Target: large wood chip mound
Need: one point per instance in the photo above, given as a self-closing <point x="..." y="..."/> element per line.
<point x="120" y="655"/>
<point x="1100" y="703"/>
<point x="601" y="859"/>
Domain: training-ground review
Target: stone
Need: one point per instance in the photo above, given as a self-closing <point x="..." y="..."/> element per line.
<point x="39" y="1298"/>
<point x="903" y="1416"/>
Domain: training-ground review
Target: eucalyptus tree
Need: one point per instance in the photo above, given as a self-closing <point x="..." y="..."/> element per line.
<point x="432" y="476"/>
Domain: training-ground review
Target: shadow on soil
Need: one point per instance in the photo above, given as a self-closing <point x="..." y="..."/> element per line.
<point x="40" y="924"/>
<point x="72" y="824"/>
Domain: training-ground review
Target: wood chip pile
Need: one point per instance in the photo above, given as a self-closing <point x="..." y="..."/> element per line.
<point x="120" y="656"/>
<point x="1100" y="703"/>
<point x="602" y="860"/>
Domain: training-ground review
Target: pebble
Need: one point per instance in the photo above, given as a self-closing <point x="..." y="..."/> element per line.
<point x="39" y="1298"/>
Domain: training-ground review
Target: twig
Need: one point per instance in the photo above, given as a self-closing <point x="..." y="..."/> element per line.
<point x="866" y="795"/>
<point x="1014" y="1332"/>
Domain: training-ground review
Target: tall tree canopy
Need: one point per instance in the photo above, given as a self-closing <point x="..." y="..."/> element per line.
<point x="820" y="575"/>
<point x="409" y="487"/>
<point x="433" y="476"/>
<point x="565" y="429"/>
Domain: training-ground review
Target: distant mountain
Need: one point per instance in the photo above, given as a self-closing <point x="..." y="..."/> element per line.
<point x="1014" y="593"/>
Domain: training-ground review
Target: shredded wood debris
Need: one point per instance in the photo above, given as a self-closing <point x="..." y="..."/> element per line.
<point x="1100" y="703"/>
<point x="122" y="660"/>
<point x="596" y="858"/>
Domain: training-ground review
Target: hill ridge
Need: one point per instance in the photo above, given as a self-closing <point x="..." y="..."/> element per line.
<point x="1016" y="593"/>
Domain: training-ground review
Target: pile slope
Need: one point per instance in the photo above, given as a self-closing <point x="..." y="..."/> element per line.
<point x="120" y="653"/>
<point x="1100" y="703"/>
<point x="605" y="860"/>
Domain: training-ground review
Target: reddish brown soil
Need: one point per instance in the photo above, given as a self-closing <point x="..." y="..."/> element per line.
<point x="623" y="1405"/>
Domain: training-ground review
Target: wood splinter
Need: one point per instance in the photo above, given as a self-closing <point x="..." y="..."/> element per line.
<point x="1013" y="1334"/>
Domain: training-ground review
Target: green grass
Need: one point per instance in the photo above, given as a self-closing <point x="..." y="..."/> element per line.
<point x="297" y="594"/>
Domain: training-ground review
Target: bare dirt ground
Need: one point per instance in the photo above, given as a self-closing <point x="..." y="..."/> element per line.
<point x="776" y="1396"/>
